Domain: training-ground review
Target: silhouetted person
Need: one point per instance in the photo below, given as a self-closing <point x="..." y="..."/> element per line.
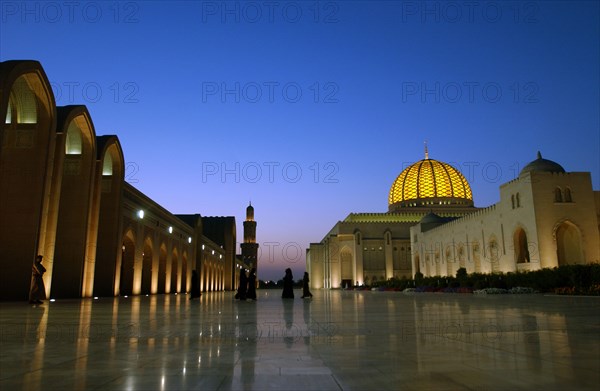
<point x="37" y="290"/>
<point x="241" y="292"/>
<point x="305" y="290"/>
<point x="288" y="285"/>
<point x="195" y="293"/>
<point x="251" y="294"/>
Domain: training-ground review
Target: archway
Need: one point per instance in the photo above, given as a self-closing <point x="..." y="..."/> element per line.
<point x="346" y="266"/>
<point x="147" y="267"/>
<point x="174" y="274"/>
<point x="108" y="185"/>
<point x="184" y="284"/>
<point x="27" y="134"/>
<point x="162" y="268"/>
<point x="75" y="233"/>
<point x="127" y="264"/>
<point x="568" y="244"/>
<point x="520" y="246"/>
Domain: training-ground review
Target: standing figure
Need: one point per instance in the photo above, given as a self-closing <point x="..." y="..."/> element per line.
<point x="195" y="286"/>
<point x="241" y="292"/>
<point x="305" y="290"/>
<point x="37" y="290"/>
<point x="251" y="294"/>
<point x="288" y="285"/>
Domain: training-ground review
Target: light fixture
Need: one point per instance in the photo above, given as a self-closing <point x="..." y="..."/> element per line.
<point x="202" y="247"/>
<point x="170" y="230"/>
<point x="189" y="239"/>
<point x="140" y="214"/>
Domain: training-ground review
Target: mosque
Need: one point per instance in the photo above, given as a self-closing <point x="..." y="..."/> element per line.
<point x="545" y="218"/>
<point x="63" y="195"/>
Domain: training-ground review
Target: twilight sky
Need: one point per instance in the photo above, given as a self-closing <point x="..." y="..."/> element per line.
<point x="311" y="109"/>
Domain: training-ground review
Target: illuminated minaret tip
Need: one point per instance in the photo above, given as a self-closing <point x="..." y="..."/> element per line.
<point x="250" y="247"/>
<point x="426" y="152"/>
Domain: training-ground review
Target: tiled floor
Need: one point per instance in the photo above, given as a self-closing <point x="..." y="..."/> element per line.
<point x="336" y="341"/>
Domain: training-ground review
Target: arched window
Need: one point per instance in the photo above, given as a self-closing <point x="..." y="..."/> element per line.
<point x="512" y="200"/>
<point x="568" y="195"/>
<point x="107" y="166"/>
<point x="73" y="140"/>
<point x="518" y="201"/>
<point x="24" y="102"/>
<point x="558" y="195"/>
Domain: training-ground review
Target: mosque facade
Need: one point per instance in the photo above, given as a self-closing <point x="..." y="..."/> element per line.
<point x="63" y="195"/>
<point x="545" y="218"/>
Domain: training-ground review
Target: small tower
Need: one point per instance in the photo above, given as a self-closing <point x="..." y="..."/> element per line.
<point x="250" y="247"/>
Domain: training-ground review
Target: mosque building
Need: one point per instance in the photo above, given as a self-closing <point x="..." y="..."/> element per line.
<point x="63" y="195"/>
<point x="545" y="218"/>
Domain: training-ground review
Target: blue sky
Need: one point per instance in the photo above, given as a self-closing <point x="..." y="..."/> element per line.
<point x="311" y="109"/>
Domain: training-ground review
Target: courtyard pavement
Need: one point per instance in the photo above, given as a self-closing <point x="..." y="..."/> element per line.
<point x="339" y="340"/>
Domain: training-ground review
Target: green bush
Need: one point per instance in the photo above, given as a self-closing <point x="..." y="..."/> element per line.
<point x="571" y="279"/>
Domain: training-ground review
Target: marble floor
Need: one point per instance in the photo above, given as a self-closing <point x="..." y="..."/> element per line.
<point x="339" y="340"/>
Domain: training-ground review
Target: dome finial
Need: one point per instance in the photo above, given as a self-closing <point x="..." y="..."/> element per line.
<point x="539" y="155"/>
<point x="426" y="152"/>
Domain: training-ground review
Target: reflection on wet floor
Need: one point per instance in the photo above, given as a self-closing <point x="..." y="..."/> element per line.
<point x="337" y="340"/>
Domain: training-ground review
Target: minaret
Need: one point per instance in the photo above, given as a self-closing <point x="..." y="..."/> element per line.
<point x="250" y="247"/>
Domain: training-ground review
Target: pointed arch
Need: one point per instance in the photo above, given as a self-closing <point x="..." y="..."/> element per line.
<point x="184" y="272"/>
<point x="27" y="133"/>
<point x="128" y="250"/>
<point x="76" y="222"/>
<point x="147" y="255"/>
<point x="162" y="268"/>
<point x="520" y="245"/>
<point x="175" y="287"/>
<point x="569" y="247"/>
<point x="107" y="202"/>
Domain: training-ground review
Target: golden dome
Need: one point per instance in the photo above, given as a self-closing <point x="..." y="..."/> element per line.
<point x="430" y="183"/>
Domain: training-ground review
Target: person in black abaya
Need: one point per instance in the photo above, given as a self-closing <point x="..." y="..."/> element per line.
<point x="288" y="285"/>
<point x="251" y="294"/>
<point x="305" y="289"/>
<point x="241" y="292"/>
<point x="195" y="293"/>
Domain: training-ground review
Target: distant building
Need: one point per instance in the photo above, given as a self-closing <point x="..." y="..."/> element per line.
<point x="545" y="218"/>
<point x="63" y="195"/>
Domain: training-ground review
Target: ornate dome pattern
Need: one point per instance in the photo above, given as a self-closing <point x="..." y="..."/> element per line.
<point x="432" y="180"/>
